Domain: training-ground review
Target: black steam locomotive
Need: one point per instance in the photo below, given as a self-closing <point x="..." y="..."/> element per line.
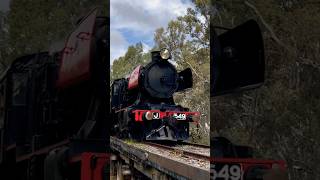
<point x="142" y="105"/>
<point x="53" y="104"/>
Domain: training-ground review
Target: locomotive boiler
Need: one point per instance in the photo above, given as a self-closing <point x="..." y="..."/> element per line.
<point x="142" y="105"/>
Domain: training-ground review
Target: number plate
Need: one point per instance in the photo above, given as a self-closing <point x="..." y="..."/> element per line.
<point x="180" y="116"/>
<point x="155" y="115"/>
<point x="223" y="171"/>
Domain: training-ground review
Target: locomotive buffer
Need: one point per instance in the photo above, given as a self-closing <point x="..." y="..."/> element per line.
<point x="154" y="161"/>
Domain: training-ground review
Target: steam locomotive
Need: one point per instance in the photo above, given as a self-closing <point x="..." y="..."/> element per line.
<point x="53" y="106"/>
<point x="142" y="105"/>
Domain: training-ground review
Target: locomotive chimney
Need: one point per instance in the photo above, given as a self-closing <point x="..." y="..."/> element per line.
<point x="155" y="55"/>
<point x="163" y="54"/>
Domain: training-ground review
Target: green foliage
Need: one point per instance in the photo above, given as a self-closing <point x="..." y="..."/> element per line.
<point x="280" y="119"/>
<point x="4" y="49"/>
<point x="35" y="25"/>
<point x="125" y="64"/>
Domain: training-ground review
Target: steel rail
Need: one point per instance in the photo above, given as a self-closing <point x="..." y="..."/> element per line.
<point x="185" y="152"/>
<point x="193" y="144"/>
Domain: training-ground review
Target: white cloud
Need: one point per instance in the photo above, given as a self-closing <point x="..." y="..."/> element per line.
<point x="139" y="19"/>
<point x="145" y="15"/>
<point x="118" y="43"/>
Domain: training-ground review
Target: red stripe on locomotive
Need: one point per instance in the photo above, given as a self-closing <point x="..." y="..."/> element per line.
<point x="139" y="113"/>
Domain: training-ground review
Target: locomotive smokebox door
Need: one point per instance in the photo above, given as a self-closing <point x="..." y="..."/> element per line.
<point x="160" y="78"/>
<point x="237" y="59"/>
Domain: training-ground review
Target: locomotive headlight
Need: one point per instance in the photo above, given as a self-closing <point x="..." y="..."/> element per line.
<point x="165" y="54"/>
<point x="148" y="115"/>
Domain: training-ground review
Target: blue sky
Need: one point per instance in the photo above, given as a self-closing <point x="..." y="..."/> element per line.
<point x="134" y="21"/>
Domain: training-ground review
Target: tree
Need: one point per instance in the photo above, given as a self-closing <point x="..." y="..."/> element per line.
<point x="35" y="25"/>
<point x="125" y="64"/>
<point x="4" y="50"/>
<point x="280" y="119"/>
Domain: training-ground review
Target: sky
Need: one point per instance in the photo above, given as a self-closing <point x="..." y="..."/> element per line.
<point x="134" y="21"/>
<point x="4" y="5"/>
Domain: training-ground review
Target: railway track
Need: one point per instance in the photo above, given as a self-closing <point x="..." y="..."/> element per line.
<point x="177" y="161"/>
<point x="187" y="149"/>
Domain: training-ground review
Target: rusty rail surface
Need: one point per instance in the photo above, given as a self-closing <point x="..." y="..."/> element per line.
<point x="185" y="152"/>
<point x="193" y="144"/>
